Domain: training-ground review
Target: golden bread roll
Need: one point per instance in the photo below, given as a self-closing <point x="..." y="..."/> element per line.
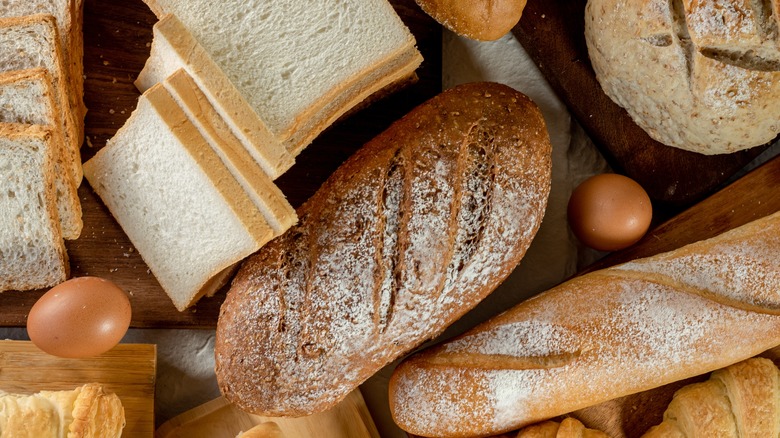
<point x="483" y="20"/>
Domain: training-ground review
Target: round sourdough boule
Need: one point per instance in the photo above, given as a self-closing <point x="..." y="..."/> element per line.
<point x="697" y="75"/>
<point x="484" y="20"/>
<point x="410" y="233"/>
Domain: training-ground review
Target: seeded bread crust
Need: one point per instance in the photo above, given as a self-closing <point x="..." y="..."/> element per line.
<point x="406" y="236"/>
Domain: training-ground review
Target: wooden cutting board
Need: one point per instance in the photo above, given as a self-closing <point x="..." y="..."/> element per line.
<point x="220" y="419"/>
<point x="117" y="41"/>
<point x="128" y="370"/>
<point x="552" y="32"/>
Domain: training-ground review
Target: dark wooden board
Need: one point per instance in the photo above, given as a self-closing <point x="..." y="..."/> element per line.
<point x="552" y="32"/>
<point x="117" y="41"/>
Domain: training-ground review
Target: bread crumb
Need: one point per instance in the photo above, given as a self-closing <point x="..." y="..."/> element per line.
<point x="105" y="62"/>
<point x="111" y="111"/>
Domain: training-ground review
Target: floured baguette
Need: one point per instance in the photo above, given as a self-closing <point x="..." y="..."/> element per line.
<point x="32" y="253"/>
<point x="600" y="336"/>
<point x="411" y="232"/>
<point x="26" y="96"/>
<point x="88" y="411"/>
<point x="742" y="400"/>
<point x="182" y="209"/>
<point x="299" y="65"/>
<point x="32" y="42"/>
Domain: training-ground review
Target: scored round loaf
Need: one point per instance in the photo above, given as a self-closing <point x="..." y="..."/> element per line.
<point x="483" y="20"/>
<point x="697" y="75"/>
<point x="411" y="232"/>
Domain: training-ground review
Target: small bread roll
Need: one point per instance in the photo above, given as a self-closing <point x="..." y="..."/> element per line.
<point x="484" y="20"/>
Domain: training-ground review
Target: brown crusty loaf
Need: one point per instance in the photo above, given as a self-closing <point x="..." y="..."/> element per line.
<point x="697" y="75"/>
<point x="600" y="336"/>
<point x="483" y="20"/>
<point x="406" y="236"/>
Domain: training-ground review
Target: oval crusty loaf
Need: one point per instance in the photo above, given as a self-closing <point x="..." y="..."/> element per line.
<point x="483" y="20"/>
<point x="697" y="75"/>
<point x="407" y="235"/>
<point x="600" y="336"/>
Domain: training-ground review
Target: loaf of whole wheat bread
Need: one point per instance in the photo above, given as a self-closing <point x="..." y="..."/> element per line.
<point x="406" y="236"/>
<point x="600" y="336"/>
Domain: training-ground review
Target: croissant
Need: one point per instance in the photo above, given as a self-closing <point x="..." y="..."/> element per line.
<point x="85" y="412"/>
<point x="741" y="400"/>
<point x="568" y="428"/>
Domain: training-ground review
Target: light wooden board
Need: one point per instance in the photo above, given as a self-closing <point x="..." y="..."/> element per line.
<point x="220" y="419"/>
<point x="128" y="370"/>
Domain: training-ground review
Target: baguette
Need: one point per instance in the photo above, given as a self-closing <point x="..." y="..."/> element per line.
<point x="405" y="237"/>
<point x="600" y="336"/>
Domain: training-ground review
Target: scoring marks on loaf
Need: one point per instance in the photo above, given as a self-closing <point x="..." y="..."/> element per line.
<point x="392" y="197"/>
<point x="476" y="171"/>
<point x="725" y="33"/>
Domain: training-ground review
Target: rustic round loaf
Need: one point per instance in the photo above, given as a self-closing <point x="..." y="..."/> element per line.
<point x="699" y="75"/>
<point x="411" y="232"/>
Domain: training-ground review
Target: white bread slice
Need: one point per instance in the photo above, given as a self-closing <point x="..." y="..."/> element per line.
<point x="69" y="15"/>
<point x="182" y="209"/>
<point x="32" y="42"/>
<point x="173" y="48"/>
<point x="32" y="253"/>
<point x="266" y="196"/>
<point x="26" y="96"/>
<point x="288" y="58"/>
<point x="298" y="65"/>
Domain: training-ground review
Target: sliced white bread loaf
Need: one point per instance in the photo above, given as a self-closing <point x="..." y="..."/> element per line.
<point x="26" y="96"/>
<point x="69" y="14"/>
<point x="266" y="196"/>
<point x="173" y="48"/>
<point x="182" y="209"/>
<point x="32" y="42"/>
<point x="299" y="64"/>
<point x="32" y="253"/>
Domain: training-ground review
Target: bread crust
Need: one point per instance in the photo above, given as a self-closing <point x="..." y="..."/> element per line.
<point x="709" y="79"/>
<point x="483" y="20"/>
<point x="407" y="235"/>
<point x="604" y="335"/>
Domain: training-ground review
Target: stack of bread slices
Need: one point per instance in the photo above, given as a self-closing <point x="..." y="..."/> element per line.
<point x="41" y="131"/>
<point x="232" y="92"/>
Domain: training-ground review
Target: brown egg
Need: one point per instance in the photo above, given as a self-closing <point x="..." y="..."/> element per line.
<point x="609" y="212"/>
<point x="81" y="317"/>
